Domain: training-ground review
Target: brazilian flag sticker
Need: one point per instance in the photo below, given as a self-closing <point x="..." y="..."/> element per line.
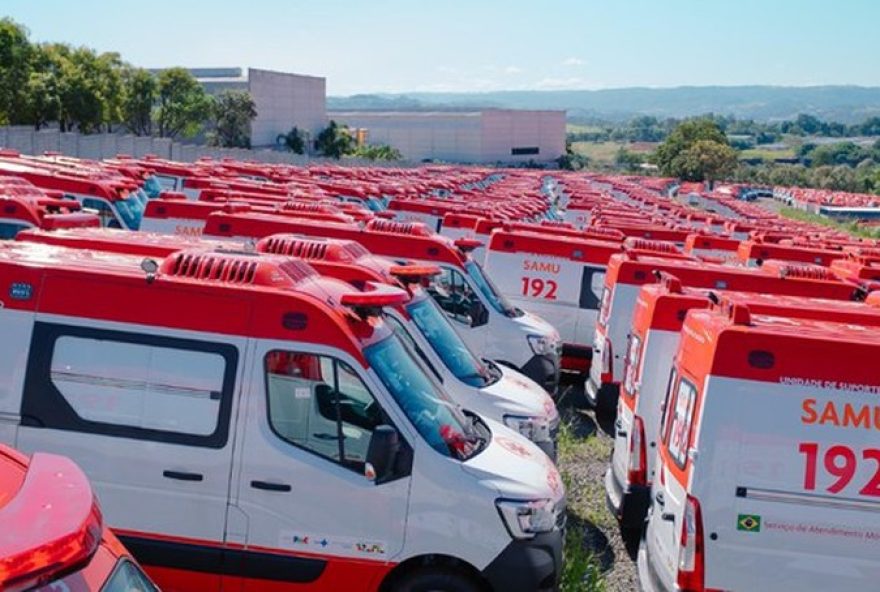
<point x="748" y="523"/>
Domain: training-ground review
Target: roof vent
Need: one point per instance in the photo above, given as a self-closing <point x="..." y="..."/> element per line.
<point x="806" y="272"/>
<point x="656" y="246"/>
<point x="237" y="269"/>
<point x="391" y="227"/>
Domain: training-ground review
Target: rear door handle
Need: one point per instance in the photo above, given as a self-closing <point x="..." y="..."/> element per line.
<point x="183" y="476"/>
<point x="269" y="486"/>
<point x="660" y="499"/>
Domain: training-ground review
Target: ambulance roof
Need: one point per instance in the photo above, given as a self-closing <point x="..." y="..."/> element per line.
<point x="244" y="294"/>
<point x="565" y="247"/>
<point x="732" y="342"/>
<point x="762" y="250"/>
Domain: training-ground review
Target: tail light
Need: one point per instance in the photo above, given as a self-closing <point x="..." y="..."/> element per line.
<point x="637" y="472"/>
<point x="690" y="558"/>
<point x="606" y="358"/>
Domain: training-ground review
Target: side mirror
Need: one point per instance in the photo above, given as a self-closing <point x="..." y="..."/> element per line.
<point x="478" y="313"/>
<point x="382" y="454"/>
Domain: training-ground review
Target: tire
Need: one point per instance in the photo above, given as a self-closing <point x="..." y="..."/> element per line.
<point x="436" y="579"/>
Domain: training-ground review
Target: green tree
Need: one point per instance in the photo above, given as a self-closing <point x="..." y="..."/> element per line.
<point x="80" y="89"/>
<point x="16" y="54"/>
<point x="232" y="114"/>
<point x="706" y="160"/>
<point x="42" y="99"/>
<point x="140" y="91"/>
<point x="846" y="153"/>
<point x="293" y="141"/>
<point x="378" y="152"/>
<point x="628" y="161"/>
<point x="668" y="155"/>
<point x="334" y="141"/>
<point x="183" y="105"/>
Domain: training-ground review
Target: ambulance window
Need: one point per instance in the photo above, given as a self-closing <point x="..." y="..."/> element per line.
<point x="128" y="577"/>
<point x="682" y="413"/>
<point x="633" y="356"/>
<point x="408" y="340"/>
<point x="139" y="385"/>
<point x="320" y="404"/>
<point x="453" y="294"/>
<point x="8" y="230"/>
<point x="592" y="285"/>
<point x="666" y="409"/>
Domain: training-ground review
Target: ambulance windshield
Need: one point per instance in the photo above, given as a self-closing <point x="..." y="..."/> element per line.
<point x="446" y="342"/>
<point x="446" y="429"/>
<point x="488" y="289"/>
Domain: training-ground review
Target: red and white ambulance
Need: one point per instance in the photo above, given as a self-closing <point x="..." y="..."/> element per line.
<point x="53" y="535"/>
<point x="488" y="389"/>
<point x="488" y="323"/>
<point x="628" y="272"/>
<point x="268" y="426"/>
<point x="767" y="459"/>
<point x="654" y="339"/>
<point x="559" y="278"/>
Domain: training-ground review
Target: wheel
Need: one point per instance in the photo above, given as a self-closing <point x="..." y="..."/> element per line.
<point x="436" y="579"/>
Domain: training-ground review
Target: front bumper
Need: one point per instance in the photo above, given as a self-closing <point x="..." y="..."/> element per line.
<point x="532" y="565"/>
<point x="629" y="505"/>
<point x="544" y="370"/>
<point x="604" y="396"/>
<point x="549" y="446"/>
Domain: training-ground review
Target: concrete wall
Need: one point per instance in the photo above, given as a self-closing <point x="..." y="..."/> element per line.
<point x="504" y="130"/>
<point x="474" y="136"/>
<point x="286" y="100"/>
<point x="98" y="146"/>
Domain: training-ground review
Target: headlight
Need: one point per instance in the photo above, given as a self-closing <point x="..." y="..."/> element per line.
<point x="525" y="519"/>
<point x="542" y="345"/>
<point x="536" y="429"/>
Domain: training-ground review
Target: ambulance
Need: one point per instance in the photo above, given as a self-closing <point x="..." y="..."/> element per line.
<point x="712" y="247"/>
<point x="654" y="339"/>
<point x="752" y="253"/>
<point x="560" y="279"/>
<point x="18" y="212"/>
<point x="53" y="535"/>
<point x="484" y="318"/>
<point x="268" y="426"/>
<point x="488" y="389"/>
<point x="628" y="272"/>
<point x="767" y="458"/>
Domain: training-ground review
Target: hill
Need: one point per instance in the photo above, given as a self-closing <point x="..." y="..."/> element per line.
<point x="847" y="104"/>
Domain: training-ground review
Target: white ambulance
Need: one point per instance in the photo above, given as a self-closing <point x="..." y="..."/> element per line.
<point x="560" y="278"/>
<point x="481" y="386"/>
<point x="628" y="272"/>
<point x="484" y="318"/>
<point x="269" y="429"/>
<point x="768" y="459"/>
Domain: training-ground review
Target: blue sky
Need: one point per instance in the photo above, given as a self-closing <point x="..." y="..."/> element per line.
<point x="481" y="45"/>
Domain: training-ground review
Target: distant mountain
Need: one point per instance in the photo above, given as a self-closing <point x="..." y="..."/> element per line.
<point x="848" y="104"/>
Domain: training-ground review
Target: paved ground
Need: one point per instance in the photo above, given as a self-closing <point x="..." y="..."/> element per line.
<point x="583" y="459"/>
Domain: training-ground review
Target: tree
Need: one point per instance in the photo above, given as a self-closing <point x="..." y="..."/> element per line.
<point x="183" y="104"/>
<point x="378" y="152"/>
<point x="706" y="160"/>
<point x="16" y="55"/>
<point x="294" y="141"/>
<point x="82" y="100"/>
<point x="334" y="141"/>
<point x="628" y="161"/>
<point x="42" y="99"/>
<point x="140" y="90"/>
<point x="232" y="114"/>
<point x="668" y="155"/>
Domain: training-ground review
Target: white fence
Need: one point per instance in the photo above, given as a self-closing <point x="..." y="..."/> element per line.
<point x="26" y="140"/>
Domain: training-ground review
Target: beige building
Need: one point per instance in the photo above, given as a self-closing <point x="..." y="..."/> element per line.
<point x="283" y="100"/>
<point x="485" y="136"/>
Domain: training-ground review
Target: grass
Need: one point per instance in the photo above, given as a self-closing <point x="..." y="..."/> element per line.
<point x="851" y="228"/>
<point x="766" y="155"/>
<point x="604" y="152"/>
<point x="582" y="570"/>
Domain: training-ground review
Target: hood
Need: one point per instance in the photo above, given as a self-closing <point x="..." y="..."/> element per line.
<point x="517" y="394"/>
<point x="532" y="324"/>
<point x="515" y="468"/>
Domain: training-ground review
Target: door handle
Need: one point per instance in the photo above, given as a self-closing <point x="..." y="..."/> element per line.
<point x="183" y="476"/>
<point x="268" y="486"/>
<point x="660" y="499"/>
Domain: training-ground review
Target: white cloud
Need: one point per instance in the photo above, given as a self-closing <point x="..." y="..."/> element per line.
<point x="512" y="70"/>
<point x="573" y="61"/>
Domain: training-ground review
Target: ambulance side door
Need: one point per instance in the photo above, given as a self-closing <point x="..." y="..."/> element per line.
<point x="308" y="417"/>
<point x="147" y="413"/>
